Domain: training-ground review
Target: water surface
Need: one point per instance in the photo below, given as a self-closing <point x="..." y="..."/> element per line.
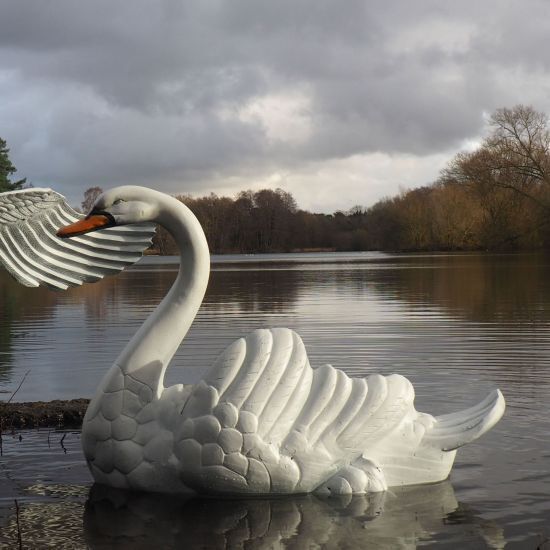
<point x="456" y="325"/>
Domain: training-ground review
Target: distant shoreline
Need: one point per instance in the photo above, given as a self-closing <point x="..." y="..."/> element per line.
<point x="156" y="252"/>
<point x="42" y="414"/>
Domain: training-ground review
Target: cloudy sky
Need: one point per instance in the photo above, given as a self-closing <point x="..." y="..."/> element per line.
<point x="339" y="102"/>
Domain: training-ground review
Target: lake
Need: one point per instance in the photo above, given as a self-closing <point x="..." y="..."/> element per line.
<point x="457" y="325"/>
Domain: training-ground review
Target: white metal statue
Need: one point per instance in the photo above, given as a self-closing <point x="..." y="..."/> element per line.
<point x="261" y="420"/>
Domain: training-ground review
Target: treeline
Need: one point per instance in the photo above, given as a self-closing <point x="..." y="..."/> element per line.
<point x="266" y="221"/>
<point x="270" y="221"/>
<point x="494" y="198"/>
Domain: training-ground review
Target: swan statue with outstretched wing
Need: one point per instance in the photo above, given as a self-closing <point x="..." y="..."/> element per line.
<point x="261" y="420"/>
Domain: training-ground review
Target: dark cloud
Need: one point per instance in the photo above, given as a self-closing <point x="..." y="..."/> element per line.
<point x="185" y="95"/>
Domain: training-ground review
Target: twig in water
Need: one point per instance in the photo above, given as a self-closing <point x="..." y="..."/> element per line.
<point x="13" y="418"/>
<point x="19" y="537"/>
<point x="61" y="443"/>
<point x="18" y="387"/>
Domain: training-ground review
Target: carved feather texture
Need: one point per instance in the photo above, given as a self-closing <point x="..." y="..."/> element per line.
<point x="33" y="254"/>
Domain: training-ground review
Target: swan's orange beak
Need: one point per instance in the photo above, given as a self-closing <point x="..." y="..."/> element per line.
<point x="90" y="223"/>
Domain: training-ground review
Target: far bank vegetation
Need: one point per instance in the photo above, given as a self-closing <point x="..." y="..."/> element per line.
<point x="496" y="197"/>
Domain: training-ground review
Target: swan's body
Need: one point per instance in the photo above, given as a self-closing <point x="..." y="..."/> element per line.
<point x="261" y="420"/>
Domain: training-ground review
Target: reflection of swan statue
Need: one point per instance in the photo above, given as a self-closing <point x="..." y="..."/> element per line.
<point x="411" y="517"/>
<point x="261" y="420"/>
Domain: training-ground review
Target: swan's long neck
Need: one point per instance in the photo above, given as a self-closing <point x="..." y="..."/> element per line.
<point x="148" y="353"/>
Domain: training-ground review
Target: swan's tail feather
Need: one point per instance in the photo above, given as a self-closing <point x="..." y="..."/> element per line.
<point x="451" y="431"/>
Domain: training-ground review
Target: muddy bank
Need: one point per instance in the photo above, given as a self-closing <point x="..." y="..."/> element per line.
<point x="42" y="414"/>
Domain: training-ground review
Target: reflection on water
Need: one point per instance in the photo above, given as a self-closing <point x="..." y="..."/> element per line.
<point x="17" y="306"/>
<point x="486" y="315"/>
<point x="381" y="521"/>
<point x="456" y="325"/>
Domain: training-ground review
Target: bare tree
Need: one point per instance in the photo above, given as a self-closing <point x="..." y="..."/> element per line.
<point x="511" y="167"/>
<point x="90" y="196"/>
<point x="521" y="143"/>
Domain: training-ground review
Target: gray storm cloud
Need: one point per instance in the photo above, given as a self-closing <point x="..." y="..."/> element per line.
<point x="200" y="96"/>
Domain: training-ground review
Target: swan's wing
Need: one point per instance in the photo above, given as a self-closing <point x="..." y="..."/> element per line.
<point x="34" y="256"/>
<point x="262" y="420"/>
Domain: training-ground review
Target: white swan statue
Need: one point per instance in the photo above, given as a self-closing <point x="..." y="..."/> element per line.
<point x="262" y="420"/>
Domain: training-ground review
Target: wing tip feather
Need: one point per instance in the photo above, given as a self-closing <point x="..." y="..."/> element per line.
<point x="452" y="431"/>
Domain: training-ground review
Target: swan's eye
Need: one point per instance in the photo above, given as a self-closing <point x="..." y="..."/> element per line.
<point x="118" y="201"/>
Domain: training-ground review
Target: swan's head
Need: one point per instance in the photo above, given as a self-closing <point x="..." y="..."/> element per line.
<point x="118" y="206"/>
